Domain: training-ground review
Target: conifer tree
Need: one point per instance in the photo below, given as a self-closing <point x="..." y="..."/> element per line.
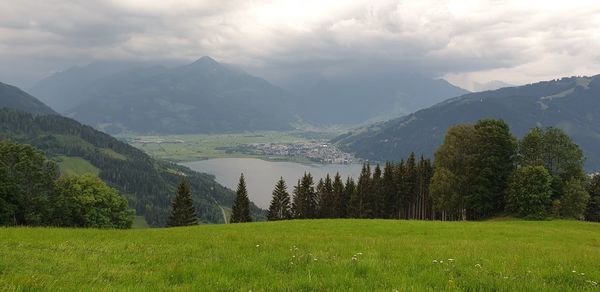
<point x="349" y="189"/>
<point x="327" y="200"/>
<point x="183" y="212"/>
<point x="305" y="201"/>
<point x="593" y="208"/>
<point x="337" y="194"/>
<point x="358" y="200"/>
<point x="389" y="191"/>
<point x="410" y="177"/>
<point x="240" y="211"/>
<point x="280" y="203"/>
<point x="374" y="199"/>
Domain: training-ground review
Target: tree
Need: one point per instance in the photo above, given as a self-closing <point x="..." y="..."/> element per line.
<point x="26" y="181"/>
<point x="280" y="203"/>
<point x="349" y="189"/>
<point x="375" y="197"/>
<point x="338" y="194"/>
<point x="493" y="164"/>
<point x="86" y="201"/>
<point x="240" y="212"/>
<point x="529" y="193"/>
<point x="327" y="199"/>
<point x="389" y="191"/>
<point x="357" y="206"/>
<point x="452" y="187"/>
<point x="592" y="212"/>
<point x="183" y="212"/>
<point x="574" y="200"/>
<point x="304" y="204"/>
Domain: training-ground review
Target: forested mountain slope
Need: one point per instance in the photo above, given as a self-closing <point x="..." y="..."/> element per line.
<point x="572" y="104"/>
<point x="14" y="98"/>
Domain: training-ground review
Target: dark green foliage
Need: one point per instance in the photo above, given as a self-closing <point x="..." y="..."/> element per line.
<point x="592" y="212"/>
<point x="493" y="164"/>
<point x="349" y="189"/>
<point x="328" y="199"/>
<point x="147" y="183"/>
<point x="304" y="204"/>
<point x="183" y="212"/>
<point x="574" y="200"/>
<point x="240" y="212"/>
<point x="86" y="201"/>
<point x="357" y="207"/>
<point x="26" y="183"/>
<point x="280" y="203"/>
<point x="529" y="192"/>
<point x="390" y="191"/>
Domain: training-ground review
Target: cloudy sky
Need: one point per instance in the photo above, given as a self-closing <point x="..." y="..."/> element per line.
<point x="465" y="42"/>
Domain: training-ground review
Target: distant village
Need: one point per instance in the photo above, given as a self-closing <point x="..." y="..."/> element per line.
<point x="319" y="151"/>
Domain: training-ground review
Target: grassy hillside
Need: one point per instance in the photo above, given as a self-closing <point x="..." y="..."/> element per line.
<point x="75" y="165"/>
<point x="340" y="255"/>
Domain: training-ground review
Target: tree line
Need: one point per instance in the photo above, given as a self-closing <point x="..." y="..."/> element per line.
<point x="33" y="194"/>
<point x="479" y="171"/>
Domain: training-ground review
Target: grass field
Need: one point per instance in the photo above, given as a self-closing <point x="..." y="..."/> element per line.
<point x="199" y="147"/>
<point x="360" y="255"/>
<point x="75" y="165"/>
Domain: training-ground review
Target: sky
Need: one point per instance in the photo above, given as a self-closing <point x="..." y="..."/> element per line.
<point x="468" y="43"/>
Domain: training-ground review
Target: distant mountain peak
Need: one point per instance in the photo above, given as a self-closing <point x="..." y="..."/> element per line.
<point x="205" y="60"/>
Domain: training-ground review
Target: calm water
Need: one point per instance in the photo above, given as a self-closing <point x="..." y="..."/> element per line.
<point x="262" y="175"/>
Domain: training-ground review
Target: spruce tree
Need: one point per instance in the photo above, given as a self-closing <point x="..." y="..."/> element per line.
<point x="305" y="201"/>
<point x="337" y="196"/>
<point x="593" y="208"/>
<point x="183" y="212"/>
<point x="389" y="191"/>
<point x="280" y="203"/>
<point x="358" y="200"/>
<point x="241" y="205"/>
<point x="328" y="201"/>
<point x="349" y="189"/>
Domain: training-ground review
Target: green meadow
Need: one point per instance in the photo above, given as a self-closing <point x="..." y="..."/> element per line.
<point x="302" y="255"/>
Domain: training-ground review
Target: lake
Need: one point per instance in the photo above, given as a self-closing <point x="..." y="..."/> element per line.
<point x="261" y="175"/>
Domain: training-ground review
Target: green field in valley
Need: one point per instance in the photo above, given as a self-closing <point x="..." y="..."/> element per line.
<point x="360" y="255"/>
<point x="199" y="147"/>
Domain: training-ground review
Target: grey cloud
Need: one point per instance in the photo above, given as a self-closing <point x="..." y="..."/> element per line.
<point x="462" y="40"/>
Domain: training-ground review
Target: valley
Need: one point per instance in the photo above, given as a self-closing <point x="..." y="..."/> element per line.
<point x="291" y="146"/>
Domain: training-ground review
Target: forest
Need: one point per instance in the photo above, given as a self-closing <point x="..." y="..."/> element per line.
<point x="480" y="171"/>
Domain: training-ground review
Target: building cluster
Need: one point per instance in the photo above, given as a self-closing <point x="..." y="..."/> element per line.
<point x="318" y="151"/>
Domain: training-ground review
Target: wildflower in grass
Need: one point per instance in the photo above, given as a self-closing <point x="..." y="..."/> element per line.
<point x="354" y="258"/>
<point x="582" y="274"/>
<point x="359" y="253"/>
<point x="574" y="271"/>
<point x="450" y="260"/>
<point x="435" y="261"/>
<point x="258" y="245"/>
<point x="441" y="262"/>
<point x="478" y="266"/>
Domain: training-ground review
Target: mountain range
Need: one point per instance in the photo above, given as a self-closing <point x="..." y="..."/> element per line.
<point x="148" y="184"/>
<point x="572" y="104"/>
<point x="210" y="97"/>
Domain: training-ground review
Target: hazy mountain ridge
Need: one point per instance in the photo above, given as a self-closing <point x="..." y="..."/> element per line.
<point x="361" y="97"/>
<point x="14" y="98"/>
<point x="201" y="97"/>
<point x="572" y="104"/>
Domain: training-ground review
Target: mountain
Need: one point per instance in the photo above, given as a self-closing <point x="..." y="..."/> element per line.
<point x="202" y="97"/>
<point x="572" y="104"/>
<point x="14" y="98"/>
<point x="148" y="184"/>
<point x="491" y="85"/>
<point x="360" y="97"/>
<point x="67" y="89"/>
